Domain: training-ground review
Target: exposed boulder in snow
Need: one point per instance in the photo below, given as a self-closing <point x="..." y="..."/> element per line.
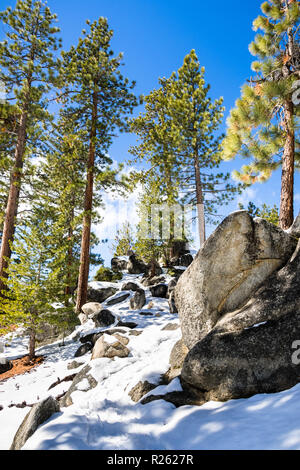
<point x="171" y="286"/>
<point x="176" y="360"/>
<point x="82" y="375"/>
<point x="109" y="346"/>
<point x="74" y="365"/>
<point x="38" y="414"/>
<point x="127" y="324"/>
<point x="250" y="350"/>
<point x="154" y="269"/>
<point x="130" y="286"/>
<point x="103" y="318"/>
<point x="119" y="263"/>
<point x="136" y="266"/>
<point x="171" y="295"/>
<point x="118" y="299"/>
<point x="83" y="349"/>
<point x="171" y="327"/>
<point x="140" y="389"/>
<point x="138" y="300"/>
<point x="91" y="308"/>
<point x="172" y="303"/>
<point x="184" y="260"/>
<point x="100" y="291"/>
<point x="159" y="290"/>
<point x="83" y="318"/>
<point x="93" y="337"/>
<point x="235" y="260"/>
<point x="151" y="281"/>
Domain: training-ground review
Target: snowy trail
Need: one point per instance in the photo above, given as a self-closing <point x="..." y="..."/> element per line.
<point x="106" y="417"/>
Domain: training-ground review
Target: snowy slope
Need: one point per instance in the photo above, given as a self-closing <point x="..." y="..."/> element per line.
<point x="106" y="418"/>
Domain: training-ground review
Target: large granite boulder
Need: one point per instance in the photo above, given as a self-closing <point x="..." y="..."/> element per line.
<point x="38" y="414"/>
<point x="254" y="348"/>
<point x="232" y="264"/>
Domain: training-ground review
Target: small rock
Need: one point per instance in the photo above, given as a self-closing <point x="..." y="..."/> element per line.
<point x="138" y="300"/>
<point x="74" y="365"/>
<point x="127" y="324"/>
<point x="171" y="327"/>
<point x="145" y="313"/>
<point x="172" y="303"/>
<point x="140" y="389"/>
<point x="135" y="333"/>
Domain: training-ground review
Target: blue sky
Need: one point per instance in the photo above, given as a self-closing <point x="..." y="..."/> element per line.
<point x="154" y="36"/>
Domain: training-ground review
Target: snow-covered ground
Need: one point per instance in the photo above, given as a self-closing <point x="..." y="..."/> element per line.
<point x="106" y="417"/>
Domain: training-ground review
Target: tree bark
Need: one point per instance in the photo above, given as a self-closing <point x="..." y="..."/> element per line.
<point x="13" y="202"/>
<point x="199" y="201"/>
<point x="31" y="348"/>
<point x="87" y="220"/>
<point x="286" y="216"/>
<point x="70" y="258"/>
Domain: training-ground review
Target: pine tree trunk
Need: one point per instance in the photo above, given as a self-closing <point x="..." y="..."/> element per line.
<point x="200" y="202"/>
<point x="70" y="259"/>
<point x="31" y="349"/>
<point x="13" y="202"/>
<point x="87" y="220"/>
<point x="286" y="215"/>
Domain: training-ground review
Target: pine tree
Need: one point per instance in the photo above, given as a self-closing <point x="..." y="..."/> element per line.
<point x="197" y="119"/>
<point x="271" y="214"/>
<point x="32" y="285"/>
<point x="263" y="124"/>
<point x="101" y="98"/>
<point x="124" y="240"/>
<point x="178" y="139"/>
<point x="27" y="70"/>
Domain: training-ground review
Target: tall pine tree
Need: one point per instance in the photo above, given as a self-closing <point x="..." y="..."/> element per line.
<point x="262" y="126"/>
<point x="101" y="98"/>
<point x="27" y="70"/>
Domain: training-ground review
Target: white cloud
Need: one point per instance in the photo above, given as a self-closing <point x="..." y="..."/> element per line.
<point x="248" y="195"/>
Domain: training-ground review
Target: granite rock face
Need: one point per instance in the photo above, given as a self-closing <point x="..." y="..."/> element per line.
<point x="254" y="348"/>
<point x="38" y="414"/>
<point x="232" y="264"/>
